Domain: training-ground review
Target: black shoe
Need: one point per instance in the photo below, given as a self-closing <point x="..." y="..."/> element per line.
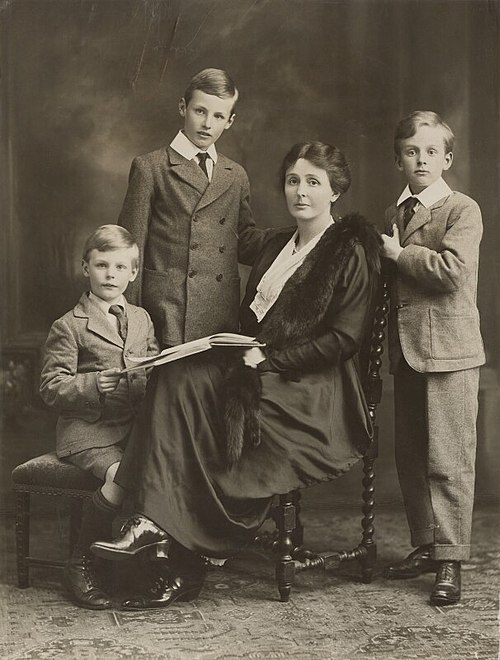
<point x="446" y="590"/>
<point x="81" y="581"/>
<point x="137" y="534"/>
<point x="418" y="562"/>
<point x="164" y="592"/>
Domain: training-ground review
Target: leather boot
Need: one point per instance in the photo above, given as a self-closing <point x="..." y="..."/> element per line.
<point x="417" y="563"/>
<point x="80" y="575"/>
<point x="447" y="587"/>
<point x="181" y="579"/>
<point x="138" y="533"/>
<point x="83" y="584"/>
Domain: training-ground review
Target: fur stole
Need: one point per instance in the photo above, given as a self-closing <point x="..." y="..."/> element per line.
<point x="296" y="318"/>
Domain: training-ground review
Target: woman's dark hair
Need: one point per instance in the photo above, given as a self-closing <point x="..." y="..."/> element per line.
<point x="329" y="158"/>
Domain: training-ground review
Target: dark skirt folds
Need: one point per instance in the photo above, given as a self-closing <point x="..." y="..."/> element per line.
<point x="312" y="430"/>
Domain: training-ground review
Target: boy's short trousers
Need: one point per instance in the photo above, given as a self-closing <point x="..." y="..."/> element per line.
<point x="97" y="459"/>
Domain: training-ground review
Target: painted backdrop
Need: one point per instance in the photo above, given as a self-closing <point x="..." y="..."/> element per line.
<point x="89" y="84"/>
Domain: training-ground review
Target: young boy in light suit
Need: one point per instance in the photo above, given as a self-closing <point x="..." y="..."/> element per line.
<point x="189" y="208"/>
<point x="84" y="353"/>
<point x="435" y="350"/>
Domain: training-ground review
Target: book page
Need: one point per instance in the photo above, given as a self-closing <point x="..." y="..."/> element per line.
<point x="228" y="339"/>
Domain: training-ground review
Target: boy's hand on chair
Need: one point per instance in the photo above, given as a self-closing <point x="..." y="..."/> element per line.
<point x="392" y="247"/>
<point x="107" y="380"/>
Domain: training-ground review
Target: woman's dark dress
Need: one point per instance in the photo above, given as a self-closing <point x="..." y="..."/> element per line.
<point x="313" y="427"/>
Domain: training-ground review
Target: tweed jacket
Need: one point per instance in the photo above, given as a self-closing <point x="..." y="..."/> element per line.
<point x="79" y="344"/>
<point x="191" y="235"/>
<point x="434" y="321"/>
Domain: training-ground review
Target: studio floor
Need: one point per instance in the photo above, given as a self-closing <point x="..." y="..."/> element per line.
<point x="238" y="615"/>
<point x="331" y="615"/>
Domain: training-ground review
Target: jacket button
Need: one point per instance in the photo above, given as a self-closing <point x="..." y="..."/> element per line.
<point x="222" y="221"/>
<point x="191" y="273"/>
<point x="219" y="277"/>
<point x="222" y="248"/>
<point x="195" y="246"/>
<point x="401" y="305"/>
<point x="195" y="218"/>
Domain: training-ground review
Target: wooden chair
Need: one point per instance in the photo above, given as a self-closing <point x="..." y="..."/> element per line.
<point x="288" y="539"/>
<point x="47" y="475"/>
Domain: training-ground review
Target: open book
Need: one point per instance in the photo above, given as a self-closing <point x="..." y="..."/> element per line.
<point x="192" y="347"/>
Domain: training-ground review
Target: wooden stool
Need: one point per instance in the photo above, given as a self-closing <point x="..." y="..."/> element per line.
<point x="47" y="475"/>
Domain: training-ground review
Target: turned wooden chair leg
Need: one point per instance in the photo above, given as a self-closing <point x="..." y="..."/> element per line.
<point x="285" y="566"/>
<point x="369" y="559"/>
<point x="23" y="539"/>
<point x="298" y="532"/>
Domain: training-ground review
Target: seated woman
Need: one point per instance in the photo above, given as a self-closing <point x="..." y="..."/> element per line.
<point x="223" y="432"/>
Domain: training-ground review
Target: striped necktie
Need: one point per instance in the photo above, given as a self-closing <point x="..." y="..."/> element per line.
<point x="409" y="209"/>
<point x="119" y="312"/>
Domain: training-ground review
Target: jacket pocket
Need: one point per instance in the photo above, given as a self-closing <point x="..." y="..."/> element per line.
<point x="453" y="337"/>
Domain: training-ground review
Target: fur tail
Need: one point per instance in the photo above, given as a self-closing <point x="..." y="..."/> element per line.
<point x="242" y="391"/>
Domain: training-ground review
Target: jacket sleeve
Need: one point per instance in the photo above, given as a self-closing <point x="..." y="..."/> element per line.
<point x="60" y="384"/>
<point x="153" y="348"/>
<point x="446" y="270"/>
<point x="135" y="215"/>
<point x="250" y="238"/>
<point x="345" y="323"/>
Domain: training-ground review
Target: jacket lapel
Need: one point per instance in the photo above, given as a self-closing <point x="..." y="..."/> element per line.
<point x="420" y="218"/>
<point x="96" y="322"/>
<point x="134" y="324"/>
<point x="222" y="178"/>
<point x="187" y="170"/>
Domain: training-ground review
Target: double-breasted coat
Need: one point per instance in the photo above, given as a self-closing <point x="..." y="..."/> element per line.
<point x="191" y="235"/>
<point x="79" y="344"/>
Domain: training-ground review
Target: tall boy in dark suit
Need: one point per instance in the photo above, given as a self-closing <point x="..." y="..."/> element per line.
<point x="189" y="208"/>
<point x="435" y="350"/>
<point x="84" y="353"/>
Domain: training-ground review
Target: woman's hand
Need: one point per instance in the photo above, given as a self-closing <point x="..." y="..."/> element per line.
<point x="107" y="380"/>
<point x="253" y="356"/>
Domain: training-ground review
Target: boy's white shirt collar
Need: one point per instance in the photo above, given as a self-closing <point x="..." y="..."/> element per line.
<point x="186" y="148"/>
<point x="104" y="305"/>
<point x="429" y="195"/>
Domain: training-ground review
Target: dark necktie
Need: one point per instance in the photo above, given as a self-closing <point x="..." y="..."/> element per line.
<point x="119" y="312"/>
<point x="409" y="209"/>
<point x="202" y="161"/>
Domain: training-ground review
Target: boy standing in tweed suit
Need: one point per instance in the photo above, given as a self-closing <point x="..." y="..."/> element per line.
<point x="435" y="350"/>
<point x="85" y="351"/>
<point x="188" y="207"/>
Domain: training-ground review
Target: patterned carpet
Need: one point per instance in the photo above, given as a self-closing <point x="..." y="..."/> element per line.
<point x="238" y="615"/>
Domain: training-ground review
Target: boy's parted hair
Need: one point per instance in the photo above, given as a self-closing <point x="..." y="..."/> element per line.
<point x="110" y="237"/>
<point x="212" y="81"/>
<point x="407" y="128"/>
<point x="325" y="156"/>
